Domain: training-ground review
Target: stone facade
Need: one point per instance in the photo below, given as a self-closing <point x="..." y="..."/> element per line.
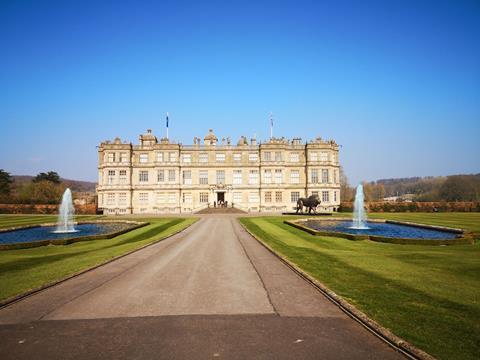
<point x="157" y="177"/>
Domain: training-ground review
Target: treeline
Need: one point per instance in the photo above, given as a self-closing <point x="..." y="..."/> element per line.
<point x="420" y="189"/>
<point x="45" y="188"/>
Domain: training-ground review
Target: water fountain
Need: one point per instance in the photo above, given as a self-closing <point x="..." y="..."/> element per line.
<point x="65" y="223"/>
<point x="359" y="215"/>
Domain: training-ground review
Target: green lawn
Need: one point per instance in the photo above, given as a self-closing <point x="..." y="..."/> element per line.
<point x="428" y="295"/>
<point x="7" y="221"/>
<point x="22" y="270"/>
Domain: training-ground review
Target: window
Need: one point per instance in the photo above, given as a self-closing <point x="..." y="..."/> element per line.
<point x="253" y="177"/>
<point x="203" y="197"/>
<point x="278" y="176"/>
<point x="323" y="156"/>
<point x="314" y="176"/>
<point x="220" y="176"/>
<point x="268" y="196"/>
<point x="315" y="193"/>
<point x="110" y="199"/>
<point x="160" y="176"/>
<point x="278" y="156"/>
<point x="294" y="157"/>
<point x="313" y="156"/>
<point x="335" y="176"/>
<point x="160" y="157"/>
<point x="203" y="177"/>
<point x="187" y="158"/>
<point x="123" y="177"/>
<point x="123" y="157"/>
<point x="324" y="176"/>
<point x="173" y="157"/>
<point x="122" y="199"/>
<point x="220" y="157"/>
<point x="278" y="196"/>
<point x="267" y="156"/>
<point x="237" y="157"/>
<point x="203" y="158"/>
<point x="111" y="177"/>
<point x="267" y="176"/>
<point x="187" y="177"/>
<point x="143" y="158"/>
<point x="111" y="157"/>
<point x="187" y="198"/>
<point x="253" y="197"/>
<point x="143" y="198"/>
<point x="143" y="176"/>
<point x="237" y="197"/>
<point x="294" y="177"/>
<point x="335" y="196"/>
<point x="161" y="198"/>
<point x="172" y="198"/>
<point x="294" y="196"/>
<point x="237" y="177"/>
<point x="325" y="197"/>
<point x="253" y="157"/>
<point x="171" y="175"/>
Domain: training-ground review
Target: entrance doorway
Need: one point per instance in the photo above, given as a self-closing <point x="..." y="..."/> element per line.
<point x="220" y="198"/>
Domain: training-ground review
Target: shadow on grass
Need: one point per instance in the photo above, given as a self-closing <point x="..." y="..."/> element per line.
<point x="440" y="326"/>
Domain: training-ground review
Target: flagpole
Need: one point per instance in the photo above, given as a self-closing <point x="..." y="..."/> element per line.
<point x="167" y="126"/>
<point x="271" y="125"/>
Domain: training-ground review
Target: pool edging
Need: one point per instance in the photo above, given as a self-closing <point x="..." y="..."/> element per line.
<point x="466" y="238"/>
<point x="71" y="240"/>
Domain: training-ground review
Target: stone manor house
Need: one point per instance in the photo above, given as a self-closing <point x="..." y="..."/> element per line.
<point x="158" y="176"/>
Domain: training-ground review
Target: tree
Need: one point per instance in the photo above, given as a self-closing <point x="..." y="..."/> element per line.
<point x="378" y="192"/>
<point x="5" y="182"/>
<point x="346" y="192"/>
<point x="41" y="192"/>
<point x="51" y="176"/>
<point x="458" y="188"/>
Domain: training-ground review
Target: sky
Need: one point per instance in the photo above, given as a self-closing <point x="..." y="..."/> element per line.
<point x="396" y="83"/>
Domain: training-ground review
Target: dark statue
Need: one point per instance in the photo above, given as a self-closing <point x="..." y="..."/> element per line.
<point x="311" y="203"/>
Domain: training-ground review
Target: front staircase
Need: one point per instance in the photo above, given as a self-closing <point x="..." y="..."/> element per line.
<point x="220" y="210"/>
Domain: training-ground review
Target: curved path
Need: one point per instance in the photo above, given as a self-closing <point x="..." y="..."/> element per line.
<point x="209" y="292"/>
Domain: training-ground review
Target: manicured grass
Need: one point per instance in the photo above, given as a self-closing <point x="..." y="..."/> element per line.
<point x="25" y="269"/>
<point x="428" y="295"/>
<point x="8" y="221"/>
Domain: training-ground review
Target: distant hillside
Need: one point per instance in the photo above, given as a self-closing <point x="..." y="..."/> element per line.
<point x="74" y="185"/>
<point x="434" y="188"/>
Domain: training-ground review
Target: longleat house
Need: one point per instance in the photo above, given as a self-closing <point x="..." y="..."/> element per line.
<point x="159" y="176"/>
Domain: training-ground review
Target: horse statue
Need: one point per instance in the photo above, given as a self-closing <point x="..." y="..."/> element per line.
<point x="311" y="203"/>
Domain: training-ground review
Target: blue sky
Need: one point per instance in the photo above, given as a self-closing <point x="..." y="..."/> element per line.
<point x="396" y="83"/>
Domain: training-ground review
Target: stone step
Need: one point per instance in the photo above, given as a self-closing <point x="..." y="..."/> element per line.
<point x="220" y="210"/>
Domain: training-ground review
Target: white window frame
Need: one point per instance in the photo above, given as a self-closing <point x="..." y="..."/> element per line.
<point x="143" y="158"/>
<point x="187" y="177"/>
<point x="294" y="196"/>
<point x="278" y="176"/>
<point x="203" y="177"/>
<point x="294" y="176"/>
<point x="253" y="177"/>
<point x="237" y="177"/>
<point x="143" y="176"/>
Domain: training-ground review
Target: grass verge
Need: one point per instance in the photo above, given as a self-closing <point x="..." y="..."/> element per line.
<point x="427" y="295"/>
<point x="27" y="269"/>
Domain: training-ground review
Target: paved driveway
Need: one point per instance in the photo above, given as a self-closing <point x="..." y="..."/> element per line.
<point x="209" y="292"/>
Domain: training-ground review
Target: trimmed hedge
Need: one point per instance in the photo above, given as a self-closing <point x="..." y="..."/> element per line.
<point x="416" y="206"/>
